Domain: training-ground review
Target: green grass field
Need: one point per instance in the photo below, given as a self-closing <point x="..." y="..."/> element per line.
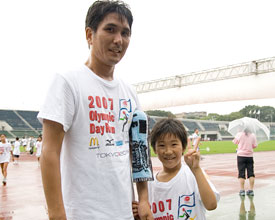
<point x="23" y="150"/>
<point x="218" y="147"/>
<point x="223" y="147"/>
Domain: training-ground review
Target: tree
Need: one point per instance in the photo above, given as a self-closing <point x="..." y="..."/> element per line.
<point x="160" y="113"/>
<point x="264" y="113"/>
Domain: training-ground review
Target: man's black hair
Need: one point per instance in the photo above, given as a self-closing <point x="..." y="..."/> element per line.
<point x="99" y="9"/>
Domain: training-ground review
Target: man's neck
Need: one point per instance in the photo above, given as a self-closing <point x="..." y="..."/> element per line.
<point x="104" y="71"/>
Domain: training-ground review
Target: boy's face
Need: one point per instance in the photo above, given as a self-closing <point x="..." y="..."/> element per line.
<point x="169" y="150"/>
<point x="111" y="40"/>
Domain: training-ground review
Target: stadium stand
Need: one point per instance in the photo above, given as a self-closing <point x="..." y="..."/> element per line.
<point x="30" y="117"/>
<point x="13" y="120"/>
<point x="19" y="123"/>
<point x="191" y="125"/>
<point x="151" y="122"/>
<point x="210" y="126"/>
<point x="8" y="135"/>
<point x="209" y="130"/>
<point x="272" y="132"/>
<point x="224" y="133"/>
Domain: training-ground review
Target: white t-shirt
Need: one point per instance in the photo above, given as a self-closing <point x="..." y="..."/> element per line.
<point x="24" y="142"/>
<point x="38" y="146"/>
<point x="178" y="198"/>
<point x="95" y="164"/>
<point x="5" y="150"/>
<point x="16" y="150"/>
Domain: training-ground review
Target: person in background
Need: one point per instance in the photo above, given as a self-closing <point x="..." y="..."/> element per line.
<point x="16" y="151"/>
<point x="32" y="145"/>
<point x="24" y="143"/>
<point x="246" y="142"/>
<point x="38" y="147"/>
<point x="195" y="140"/>
<point x="5" y="152"/>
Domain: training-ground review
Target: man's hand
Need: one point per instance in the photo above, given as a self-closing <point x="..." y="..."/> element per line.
<point x="192" y="159"/>
<point x="144" y="211"/>
<point x="135" y="209"/>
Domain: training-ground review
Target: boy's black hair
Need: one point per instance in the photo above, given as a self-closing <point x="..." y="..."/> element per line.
<point x="17" y="138"/>
<point x="99" y="9"/>
<point x="168" y="126"/>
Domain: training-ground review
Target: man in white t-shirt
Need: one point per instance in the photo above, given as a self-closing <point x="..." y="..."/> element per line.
<point x="87" y="114"/>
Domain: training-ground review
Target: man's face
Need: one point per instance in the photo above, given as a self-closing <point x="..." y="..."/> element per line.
<point x="111" y="40"/>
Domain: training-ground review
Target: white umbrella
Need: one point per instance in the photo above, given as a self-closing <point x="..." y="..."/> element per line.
<point x="252" y="125"/>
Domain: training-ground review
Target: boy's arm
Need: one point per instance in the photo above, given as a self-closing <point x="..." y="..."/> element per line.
<point x="207" y="195"/>
<point x="144" y="210"/>
<point x="53" y="135"/>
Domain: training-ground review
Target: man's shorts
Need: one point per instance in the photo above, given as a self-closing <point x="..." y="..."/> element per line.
<point x="245" y="163"/>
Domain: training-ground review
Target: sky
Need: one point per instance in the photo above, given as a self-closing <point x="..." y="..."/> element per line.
<point x="39" y="38"/>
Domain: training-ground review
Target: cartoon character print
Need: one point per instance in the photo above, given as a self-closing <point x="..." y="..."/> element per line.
<point x="186" y="202"/>
<point x="125" y="108"/>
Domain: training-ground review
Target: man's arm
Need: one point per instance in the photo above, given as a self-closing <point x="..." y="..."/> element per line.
<point x="53" y="135"/>
<point x="208" y="197"/>
<point x="144" y="210"/>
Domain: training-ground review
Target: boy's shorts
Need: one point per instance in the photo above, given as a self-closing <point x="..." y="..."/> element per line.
<point x="245" y="163"/>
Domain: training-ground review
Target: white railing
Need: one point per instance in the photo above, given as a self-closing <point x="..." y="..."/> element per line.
<point x="233" y="71"/>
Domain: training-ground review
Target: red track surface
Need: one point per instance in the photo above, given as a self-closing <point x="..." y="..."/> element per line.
<point x="23" y="196"/>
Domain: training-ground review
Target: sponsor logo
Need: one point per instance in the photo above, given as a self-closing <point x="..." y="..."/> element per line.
<point x="119" y="143"/>
<point x="110" y="142"/>
<point x="113" y="154"/>
<point x="93" y="143"/>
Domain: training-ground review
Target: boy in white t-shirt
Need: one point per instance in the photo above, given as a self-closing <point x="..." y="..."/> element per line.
<point x="179" y="191"/>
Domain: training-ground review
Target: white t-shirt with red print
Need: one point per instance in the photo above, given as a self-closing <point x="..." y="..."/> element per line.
<point x="95" y="164"/>
<point x="178" y="198"/>
<point x="5" y="149"/>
